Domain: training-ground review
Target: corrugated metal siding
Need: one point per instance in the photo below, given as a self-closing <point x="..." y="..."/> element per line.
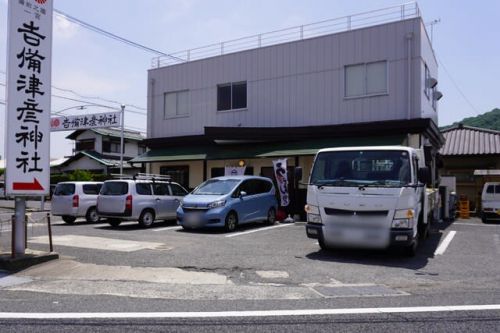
<point x="294" y="84"/>
<point x="471" y="141"/>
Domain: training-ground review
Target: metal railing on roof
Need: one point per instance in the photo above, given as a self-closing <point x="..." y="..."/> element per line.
<point x="346" y="23"/>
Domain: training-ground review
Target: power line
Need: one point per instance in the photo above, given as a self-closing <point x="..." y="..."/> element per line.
<point x="112" y="36"/>
<point x="458" y="88"/>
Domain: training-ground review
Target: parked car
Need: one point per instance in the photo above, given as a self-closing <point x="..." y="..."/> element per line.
<point x="229" y="201"/>
<point x="76" y="199"/>
<point x="490" y="202"/>
<point x="140" y="200"/>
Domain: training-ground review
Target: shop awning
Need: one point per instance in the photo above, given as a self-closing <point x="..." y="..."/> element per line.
<point x="259" y="150"/>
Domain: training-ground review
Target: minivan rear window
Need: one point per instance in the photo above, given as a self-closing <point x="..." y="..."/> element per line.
<point x="64" y="189"/>
<point x="114" y="188"/>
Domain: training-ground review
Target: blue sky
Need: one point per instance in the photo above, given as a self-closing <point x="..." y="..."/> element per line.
<point x="465" y="42"/>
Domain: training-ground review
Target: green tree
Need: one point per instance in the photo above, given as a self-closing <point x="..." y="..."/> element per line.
<point x="80" y="175"/>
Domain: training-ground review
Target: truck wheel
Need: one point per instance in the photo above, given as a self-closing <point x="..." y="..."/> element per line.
<point x="322" y="244"/>
<point x="68" y="219"/>
<point x="91" y="215"/>
<point x="423" y="229"/>
<point x="147" y="218"/>
<point x="411" y="250"/>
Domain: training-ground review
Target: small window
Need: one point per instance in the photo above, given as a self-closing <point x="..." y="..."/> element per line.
<point x="366" y="79"/>
<point x="427" y="89"/>
<point x="87" y="144"/>
<point x="177" y="190"/>
<point x="490" y="189"/>
<point x="176" y="104"/>
<point x="143" y="188"/>
<point x="160" y="189"/>
<point x="91" y="189"/>
<point x="141" y="149"/>
<point x="231" y="96"/>
<point x="112" y="146"/>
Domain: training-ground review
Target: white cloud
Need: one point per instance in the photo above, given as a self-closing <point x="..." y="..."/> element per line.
<point x="63" y="28"/>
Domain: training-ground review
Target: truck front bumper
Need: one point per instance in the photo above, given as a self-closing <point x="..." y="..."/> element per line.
<point x="314" y="230"/>
<point x="402" y="237"/>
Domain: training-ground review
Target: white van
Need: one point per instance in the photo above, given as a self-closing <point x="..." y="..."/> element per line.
<point x="76" y="199"/>
<point x="490" y="202"/>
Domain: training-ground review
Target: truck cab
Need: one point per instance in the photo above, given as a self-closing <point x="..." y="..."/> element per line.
<point x="368" y="197"/>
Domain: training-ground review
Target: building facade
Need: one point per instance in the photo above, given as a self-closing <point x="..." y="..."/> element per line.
<point x="373" y="85"/>
<point x="98" y="151"/>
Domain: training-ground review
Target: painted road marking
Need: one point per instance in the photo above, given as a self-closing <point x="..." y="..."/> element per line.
<point x="264" y="313"/>
<point x="476" y="224"/>
<point x="444" y="244"/>
<point x="168" y="228"/>
<point x="257" y="230"/>
<point x="98" y="243"/>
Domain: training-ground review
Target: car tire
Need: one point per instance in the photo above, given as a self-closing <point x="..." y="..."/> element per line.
<point x="114" y="222"/>
<point x="69" y="219"/>
<point x="271" y="216"/>
<point x="231" y="221"/>
<point x="147" y="218"/>
<point x="411" y="250"/>
<point x="91" y="215"/>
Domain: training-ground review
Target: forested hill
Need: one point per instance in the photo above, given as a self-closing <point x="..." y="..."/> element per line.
<point x="489" y="120"/>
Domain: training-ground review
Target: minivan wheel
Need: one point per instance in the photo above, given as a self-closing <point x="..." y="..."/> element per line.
<point x="114" y="222"/>
<point x="231" y="221"/>
<point x="91" y="215"/>
<point x="147" y="218"/>
<point x="68" y="219"/>
<point x="271" y="216"/>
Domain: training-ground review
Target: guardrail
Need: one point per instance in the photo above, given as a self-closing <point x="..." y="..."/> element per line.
<point x="346" y="23"/>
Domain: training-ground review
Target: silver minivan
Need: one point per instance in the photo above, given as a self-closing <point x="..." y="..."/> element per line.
<point x="139" y="200"/>
<point x="76" y="199"/>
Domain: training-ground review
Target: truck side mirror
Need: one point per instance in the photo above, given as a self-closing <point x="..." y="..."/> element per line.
<point x="424" y="175"/>
<point x="298" y="173"/>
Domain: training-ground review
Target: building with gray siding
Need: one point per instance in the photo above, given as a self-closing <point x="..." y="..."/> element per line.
<point x="365" y="84"/>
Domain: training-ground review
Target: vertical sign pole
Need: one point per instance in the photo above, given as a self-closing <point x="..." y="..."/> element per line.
<point x="20" y="206"/>
<point x="121" y="139"/>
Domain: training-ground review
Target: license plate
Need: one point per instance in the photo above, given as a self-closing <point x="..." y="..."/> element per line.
<point x="193" y="218"/>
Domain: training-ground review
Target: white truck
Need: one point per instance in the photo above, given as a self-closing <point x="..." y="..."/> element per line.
<point x="369" y="197"/>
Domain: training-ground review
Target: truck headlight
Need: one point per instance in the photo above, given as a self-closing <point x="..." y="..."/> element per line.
<point x="311" y="209"/>
<point x="314" y="218"/>
<point x="216" y="204"/>
<point x="403" y="218"/>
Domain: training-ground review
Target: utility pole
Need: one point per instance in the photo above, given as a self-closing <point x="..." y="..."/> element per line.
<point x="121" y="139"/>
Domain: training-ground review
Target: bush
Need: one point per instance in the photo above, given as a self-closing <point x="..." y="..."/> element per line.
<point x="2" y="171"/>
<point x="80" y="175"/>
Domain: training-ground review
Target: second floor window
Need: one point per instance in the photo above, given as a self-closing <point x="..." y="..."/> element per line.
<point x="366" y="79"/>
<point x="87" y="144"/>
<point x="231" y="96"/>
<point x="176" y="104"/>
<point x="112" y="146"/>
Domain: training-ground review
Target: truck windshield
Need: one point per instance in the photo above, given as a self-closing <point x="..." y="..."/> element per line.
<point x="362" y="168"/>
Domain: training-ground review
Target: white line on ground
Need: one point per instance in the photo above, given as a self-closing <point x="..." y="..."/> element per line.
<point x="477" y="224"/>
<point x="264" y="313"/>
<point x="168" y="228"/>
<point x="444" y="244"/>
<point x="256" y="230"/>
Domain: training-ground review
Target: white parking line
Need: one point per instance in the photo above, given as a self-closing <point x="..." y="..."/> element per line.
<point x="256" y="230"/>
<point x="444" y="244"/>
<point x="168" y="228"/>
<point x="476" y="224"/>
<point x="262" y="313"/>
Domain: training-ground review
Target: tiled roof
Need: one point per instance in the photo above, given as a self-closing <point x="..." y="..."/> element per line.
<point x="467" y="140"/>
<point x="114" y="132"/>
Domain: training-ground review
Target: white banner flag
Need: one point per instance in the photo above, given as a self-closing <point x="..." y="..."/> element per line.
<point x="282" y="180"/>
<point x="234" y="171"/>
<point x="72" y="123"/>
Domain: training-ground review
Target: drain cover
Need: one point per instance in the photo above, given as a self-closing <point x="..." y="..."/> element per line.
<point x="357" y="291"/>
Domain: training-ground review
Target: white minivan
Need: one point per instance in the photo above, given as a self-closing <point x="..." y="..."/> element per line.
<point x="490" y="202"/>
<point x="76" y="199"/>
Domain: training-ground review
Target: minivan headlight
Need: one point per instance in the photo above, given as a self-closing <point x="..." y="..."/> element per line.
<point x="215" y="204"/>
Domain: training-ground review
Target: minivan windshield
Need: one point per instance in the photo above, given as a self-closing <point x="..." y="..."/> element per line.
<point x="114" y="188"/>
<point x="389" y="168"/>
<point x="216" y="187"/>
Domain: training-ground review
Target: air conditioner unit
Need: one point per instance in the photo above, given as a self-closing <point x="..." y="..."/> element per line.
<point x="437" y="95"/>
<point x="431" y="82"/>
